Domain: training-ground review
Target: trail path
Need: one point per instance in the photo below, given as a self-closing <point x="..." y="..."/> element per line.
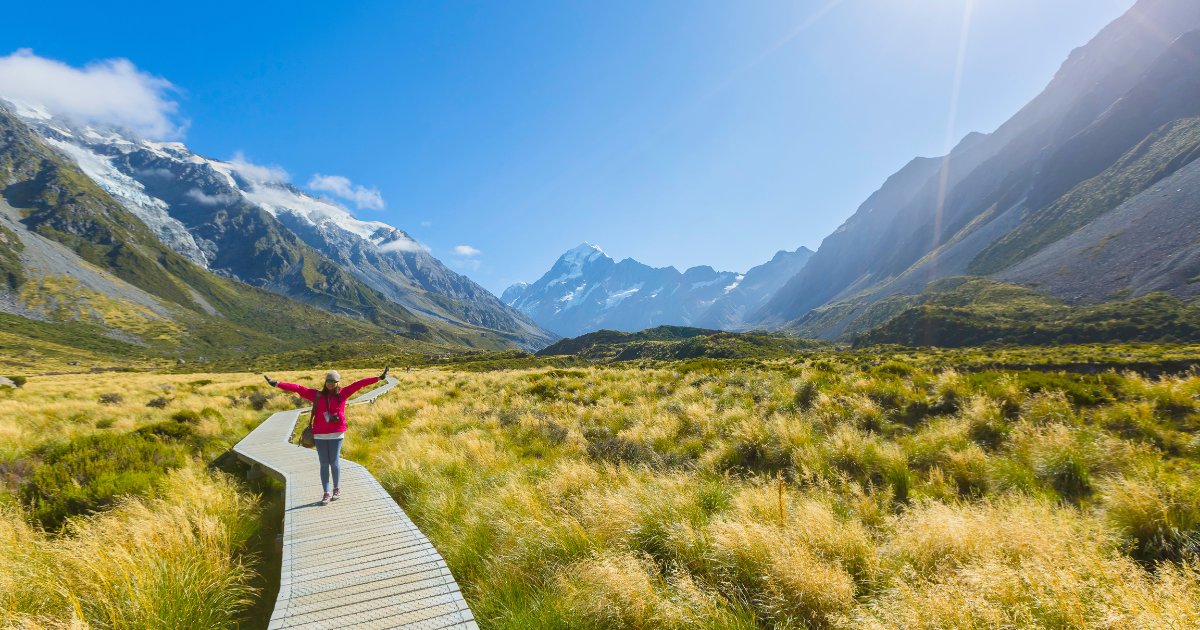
<point x="358" y="562"/>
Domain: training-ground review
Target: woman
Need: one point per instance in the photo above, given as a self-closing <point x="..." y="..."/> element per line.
<point x="329" y="421"/>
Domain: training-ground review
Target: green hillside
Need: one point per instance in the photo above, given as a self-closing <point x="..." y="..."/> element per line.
<point x="979" y="311"/>
<point x="676" y="342"/>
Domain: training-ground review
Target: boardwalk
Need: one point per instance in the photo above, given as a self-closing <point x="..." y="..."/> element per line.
<point x="357" y="562"/>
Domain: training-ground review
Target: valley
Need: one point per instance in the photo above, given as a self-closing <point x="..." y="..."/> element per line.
<point x="975" y="405"/>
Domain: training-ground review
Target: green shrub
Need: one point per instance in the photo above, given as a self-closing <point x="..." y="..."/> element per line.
<point x="566" y="374"/>
<point x="895" y="367"/>
<point x="168" y="430"/>
<point x="258" y="400"/>
<point x="111" y="399"/>
<point x="186" y="416"/>
<point x="105" y="423"/>
<point x="1081" y="389"/>
<point x="19" y="381"/>
<point x="619" y="450"/>
<point x="89" y="472"/>
<point x="158" y="403"/>
<point x="806" y="395"/>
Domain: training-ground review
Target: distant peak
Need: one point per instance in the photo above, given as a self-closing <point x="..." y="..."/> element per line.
<point x="585" y="248"/>
<point x="583" y="253"/>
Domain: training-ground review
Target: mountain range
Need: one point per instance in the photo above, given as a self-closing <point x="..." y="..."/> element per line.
<point x="586" y="290"/>
<point x="1088" y="194"/>
<point x="107" y="229"/>
<point x="1110" y="135"/>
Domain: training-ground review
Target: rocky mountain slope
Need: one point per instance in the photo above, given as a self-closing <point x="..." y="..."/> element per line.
<point x="245" y="222"/>
<point x="1149" y="243"/>
<point x="1114" y="121"/>
<point x="755" y="288"/>
<point x="74" y="256"/>
<point x="586" y="290"/>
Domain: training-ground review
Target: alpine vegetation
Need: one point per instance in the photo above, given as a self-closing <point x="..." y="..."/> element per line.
<point x="802" y="494"/>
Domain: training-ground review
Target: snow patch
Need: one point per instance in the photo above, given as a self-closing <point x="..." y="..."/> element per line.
<point x="697" y="285"/>
<point x="132" y="195"/>
<point x="618" y="297"/>
<point x="576" y="297"/>
<point x="29" y="110"/>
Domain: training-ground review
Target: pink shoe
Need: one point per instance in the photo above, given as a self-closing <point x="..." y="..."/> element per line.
<point x="337" y="494"/>
<point x="325" y="499"/>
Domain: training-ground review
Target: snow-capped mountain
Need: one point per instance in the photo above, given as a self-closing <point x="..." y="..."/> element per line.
<point x="586" y="290"/>
<point x="244" y="221"/>
<point x="754" y="290"/>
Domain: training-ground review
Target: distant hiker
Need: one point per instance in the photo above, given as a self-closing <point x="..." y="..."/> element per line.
<point x="329" y="421"/>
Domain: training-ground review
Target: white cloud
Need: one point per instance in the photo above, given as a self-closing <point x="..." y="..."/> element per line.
<point x="198" y="196"/>
<point x="258" y="173"/>
<point x="426" y="223"/>
<point x="403" y="245"/>
<point x="112" y="90"/>
<point x="466" y="250"/>
<point x="344" y="188"/>
<point x="473" y="265"/>
<point x="154" y="172"/>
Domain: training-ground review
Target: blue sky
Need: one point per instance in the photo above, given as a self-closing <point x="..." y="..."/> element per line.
<point x="676" y="132"/>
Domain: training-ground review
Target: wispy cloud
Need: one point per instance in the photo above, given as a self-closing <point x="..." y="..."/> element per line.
<point x="403" y="245"/>
<point x="111" y="90"/>
<point x="154" y="172"/>
<point x="466" y="250"/>
<point x="342" y="187"/>
<point x="426" y="223"/>
<point x="200" y="197"/>
<point x="258" y="173"/>
<point x="473" y="265"/>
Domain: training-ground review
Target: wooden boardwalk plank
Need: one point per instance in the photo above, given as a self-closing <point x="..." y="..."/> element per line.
<point x="358" y="562"/>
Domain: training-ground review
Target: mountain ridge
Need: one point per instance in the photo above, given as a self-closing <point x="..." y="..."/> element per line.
<point x="1119" y="90"/>
<point x="586" y="290"/>
<point x="243" y="222"/>
<point x="87" y="261"/>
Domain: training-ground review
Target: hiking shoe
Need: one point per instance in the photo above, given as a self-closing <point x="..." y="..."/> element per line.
<point x="337" y="494"/>
<point x="325" y="499"/>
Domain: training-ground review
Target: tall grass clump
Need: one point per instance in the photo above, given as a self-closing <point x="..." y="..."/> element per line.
<point x="171" y="561"/>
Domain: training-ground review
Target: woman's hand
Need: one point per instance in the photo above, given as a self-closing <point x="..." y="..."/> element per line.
<point x="273" y="383"/>
<point x="383" y="377"/>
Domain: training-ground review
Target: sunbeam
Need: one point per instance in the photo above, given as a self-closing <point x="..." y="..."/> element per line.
<point x="949" y="146"/>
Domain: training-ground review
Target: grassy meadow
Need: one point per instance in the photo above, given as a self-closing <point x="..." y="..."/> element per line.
<point x="120" y="509"/>
<point x="904" y="489"/>
<point x="802" y="494"/>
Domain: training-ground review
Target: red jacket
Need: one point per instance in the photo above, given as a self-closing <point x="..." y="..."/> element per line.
<point x="335" y="404"/>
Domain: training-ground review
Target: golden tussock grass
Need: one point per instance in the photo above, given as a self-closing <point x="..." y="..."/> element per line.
<point x="167" y="562"/>
<point x="818" y="496"/>
<point x="652" y="499"/>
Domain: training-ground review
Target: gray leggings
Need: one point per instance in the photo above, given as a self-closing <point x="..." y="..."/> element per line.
<point x="327" y="453"/>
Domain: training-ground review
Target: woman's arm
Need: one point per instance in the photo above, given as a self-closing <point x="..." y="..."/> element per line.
<point x="350" y="389"/>
<point x="300" y="390"/>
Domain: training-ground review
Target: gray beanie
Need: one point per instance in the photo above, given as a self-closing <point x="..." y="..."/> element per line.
<point x="333" y="375"/>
